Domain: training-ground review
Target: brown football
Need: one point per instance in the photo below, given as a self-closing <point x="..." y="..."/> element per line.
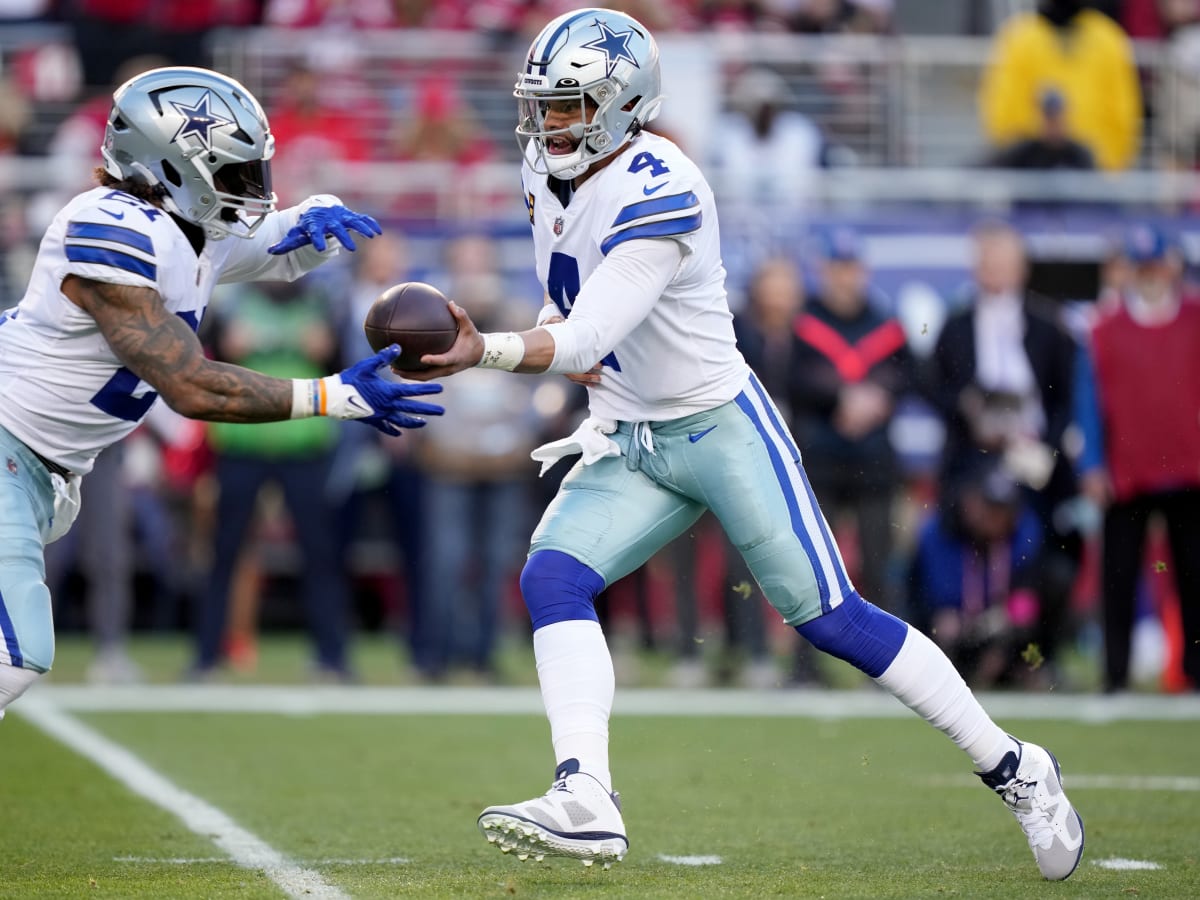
<point x="414" y="315"/>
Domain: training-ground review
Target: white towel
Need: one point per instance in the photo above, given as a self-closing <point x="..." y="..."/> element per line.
<point x="591" y="439"/>
<point x="66" y="506"/>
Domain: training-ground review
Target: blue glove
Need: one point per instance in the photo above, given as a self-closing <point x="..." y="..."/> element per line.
<point x="390" y="406"/>
<point x="318" y="221"/>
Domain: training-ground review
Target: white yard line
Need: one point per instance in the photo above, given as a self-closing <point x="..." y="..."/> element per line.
<point x="244" y="848"/>
<point x="852" y="704"/>
<point x="690" y="860"/>
<point x="1125" y="865"/>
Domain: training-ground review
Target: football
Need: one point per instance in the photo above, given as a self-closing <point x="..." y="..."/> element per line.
<point x="414" y="315"/>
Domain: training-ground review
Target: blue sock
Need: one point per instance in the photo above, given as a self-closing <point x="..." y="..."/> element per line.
<point x="859" y="632"/>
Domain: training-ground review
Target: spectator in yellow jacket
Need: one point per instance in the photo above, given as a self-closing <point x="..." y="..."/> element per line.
<point x="1082" y="54"/>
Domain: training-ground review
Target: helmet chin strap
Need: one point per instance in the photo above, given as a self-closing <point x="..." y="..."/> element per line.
<point x="576" y="170"/>
<point x="572" y="171"/>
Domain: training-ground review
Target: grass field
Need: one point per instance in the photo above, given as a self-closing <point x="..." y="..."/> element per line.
<point x="250" y="791"/>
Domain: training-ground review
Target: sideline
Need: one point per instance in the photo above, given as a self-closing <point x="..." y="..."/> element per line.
<point x="243" y="848"/>
<point x="821" y="704"/>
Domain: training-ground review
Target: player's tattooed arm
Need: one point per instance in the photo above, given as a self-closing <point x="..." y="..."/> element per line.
<point x="163" y="351"/>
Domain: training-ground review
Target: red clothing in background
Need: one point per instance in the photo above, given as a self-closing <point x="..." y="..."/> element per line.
<point x="1148" y="378"/>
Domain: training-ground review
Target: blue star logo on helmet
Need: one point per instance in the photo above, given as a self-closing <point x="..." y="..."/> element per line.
<point x="199" y="120"/>
<point x="614" y="45"/>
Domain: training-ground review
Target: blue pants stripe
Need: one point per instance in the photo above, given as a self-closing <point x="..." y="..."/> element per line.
<point x="843" y="579"/>
<point x="826" y="559"/>
<point x="789" y="492"/>
<point x="10" y="636"/>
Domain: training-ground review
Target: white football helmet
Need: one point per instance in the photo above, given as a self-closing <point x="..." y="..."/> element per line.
<point x="202" y="138"/>
<point x="599" y="54"/>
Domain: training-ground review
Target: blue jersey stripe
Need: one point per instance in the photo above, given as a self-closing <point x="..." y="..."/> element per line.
<point x="116" y="233"/>
<point x="114" y="258"/>
<point x="643" y="208"/>
<point x="667" y="228"/>
<point x="10" y="636"/>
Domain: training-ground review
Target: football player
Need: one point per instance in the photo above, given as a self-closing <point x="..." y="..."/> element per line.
<point x="626" y="243"/>
<point x="109" y="319"/>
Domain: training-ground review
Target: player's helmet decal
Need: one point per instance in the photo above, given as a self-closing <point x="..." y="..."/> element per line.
<point x="199" y="120"/>
<point x="614" y="46"/>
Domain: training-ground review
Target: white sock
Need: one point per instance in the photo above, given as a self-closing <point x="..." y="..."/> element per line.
<point x="923" y="679"/>
<point x="576" y="673"/>
<point x="13" y="682"/>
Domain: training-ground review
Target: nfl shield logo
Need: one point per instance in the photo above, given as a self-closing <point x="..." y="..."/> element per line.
<point x="558" y="226"/>
<point x="12" y="465"/>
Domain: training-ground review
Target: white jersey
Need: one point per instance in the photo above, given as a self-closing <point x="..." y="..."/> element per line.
<point x="682" y="358"/>
<point x="63" y="392"/>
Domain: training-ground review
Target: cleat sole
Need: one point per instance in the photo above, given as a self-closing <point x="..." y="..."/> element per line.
<point x="528" y="839"/>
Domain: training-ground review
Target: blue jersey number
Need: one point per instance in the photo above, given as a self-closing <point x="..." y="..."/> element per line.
<point x="562" y="283"/>
<point x="116" y="397"/>
<point x="149" y="211"/>
<point x="645" y="161"/>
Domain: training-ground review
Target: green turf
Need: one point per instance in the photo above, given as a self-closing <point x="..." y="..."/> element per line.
<point x="794" y="808"/>
<point x="65" y="821"/>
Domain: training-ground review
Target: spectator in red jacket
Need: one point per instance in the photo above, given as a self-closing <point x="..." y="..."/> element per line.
<point x="851" y="365"/>
<point x="1142" y="444"/>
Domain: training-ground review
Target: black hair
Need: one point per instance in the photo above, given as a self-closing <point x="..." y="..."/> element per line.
<point x="150" y="193"/>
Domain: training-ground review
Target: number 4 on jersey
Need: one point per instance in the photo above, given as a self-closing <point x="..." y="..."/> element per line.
<point x="563" y="283"/>
<point x="646" y="161"/>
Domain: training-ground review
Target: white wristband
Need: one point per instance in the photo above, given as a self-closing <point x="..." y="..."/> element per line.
<point x="306" y="397"/>
<point x="328" y="396"/>
<point x="502" y="350"/>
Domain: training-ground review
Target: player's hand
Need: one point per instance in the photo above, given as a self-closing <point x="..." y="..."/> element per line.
<point x="318" y="222"/>
<point x="588" y="378"/>
<point x="464" y="353"/>
<point x="384" y="404"/>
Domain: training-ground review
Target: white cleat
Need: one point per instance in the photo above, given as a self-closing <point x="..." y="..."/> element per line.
<point x="576" y="818"/>
<point x="1030" y="783"/>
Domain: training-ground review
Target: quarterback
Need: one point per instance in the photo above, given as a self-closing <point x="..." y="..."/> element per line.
<point x="626" y="243"/>
<point x="109" y="319"/>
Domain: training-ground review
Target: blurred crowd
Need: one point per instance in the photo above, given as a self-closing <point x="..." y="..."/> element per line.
<point x="1016" y="474"/>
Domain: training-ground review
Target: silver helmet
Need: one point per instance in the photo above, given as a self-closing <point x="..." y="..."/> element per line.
<point x="600" y="55"/>
<point x="202" y="138"/>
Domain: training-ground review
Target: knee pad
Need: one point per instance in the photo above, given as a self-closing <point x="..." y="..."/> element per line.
<point x="858" y="632"/>
<point x="559" y="588"/>
<point x="27" y="625"/>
